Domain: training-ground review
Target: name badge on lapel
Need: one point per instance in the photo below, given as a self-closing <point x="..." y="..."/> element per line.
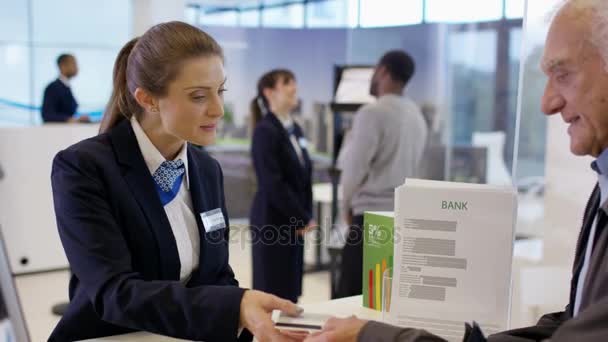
<point x="213" y="220"/>
<point x="303" y="143"/>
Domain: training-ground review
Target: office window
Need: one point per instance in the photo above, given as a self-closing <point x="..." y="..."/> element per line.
<point x="249" y="18"/>
<point x="191" y="15"/>
<point x="472" y="60"/>
<point x="14" y="63"/>
<point x="332" y="13"/>
<point x="247" y="4"/>
<point x="279" y="2"/>
<point x="353" y="13"/>
<point x="14" y="94"/>
<point x="219" y="18"/>
<point x="13" y="21"/>
<point x="288" y="16"/>
<point x="514" y="9"/>
<point x="77" y="22"/>
<point x="463" y="11"/>
<point x="378" y="13"/>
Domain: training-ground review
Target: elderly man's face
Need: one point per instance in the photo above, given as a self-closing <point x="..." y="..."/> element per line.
<point x="577" y="85"/>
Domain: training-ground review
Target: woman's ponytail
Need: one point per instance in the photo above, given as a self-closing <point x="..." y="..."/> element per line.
<point x="257" y="113"/>
<point x="122" y="104"/>
<point x="259" y="105"/>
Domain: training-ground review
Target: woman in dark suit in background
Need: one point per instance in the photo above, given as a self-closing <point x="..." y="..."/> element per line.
<point x="140" y="208"/>
<point x="282" y="208"/>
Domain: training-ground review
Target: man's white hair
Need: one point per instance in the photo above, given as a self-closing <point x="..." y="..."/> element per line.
<point x="596" y="11"/>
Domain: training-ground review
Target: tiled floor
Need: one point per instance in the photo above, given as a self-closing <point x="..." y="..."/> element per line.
<point x="39" y="292"/>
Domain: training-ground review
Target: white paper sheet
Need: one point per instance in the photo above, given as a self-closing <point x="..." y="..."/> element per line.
<point x="452" y="257"/>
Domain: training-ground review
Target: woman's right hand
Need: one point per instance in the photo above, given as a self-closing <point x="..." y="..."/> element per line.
<point x="312" y="225"/>
<point x="256" y="311"/>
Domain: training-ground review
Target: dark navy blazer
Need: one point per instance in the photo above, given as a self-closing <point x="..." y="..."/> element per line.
<point x="122" y="251"/>
<point x="58" y="104"/>
<point x="282" y="204"/>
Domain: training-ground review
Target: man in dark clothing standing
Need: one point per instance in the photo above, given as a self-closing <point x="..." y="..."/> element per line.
<point x="59" y="104"/>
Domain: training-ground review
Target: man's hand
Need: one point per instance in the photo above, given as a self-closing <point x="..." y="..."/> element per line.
<point x="339" y="330"/>
<point x="81" y="119"/>
<point x="84" y="118"/>
<point x="349" y="218"/>
<point x="312" y="225"/>
<point x="256" y="311"/>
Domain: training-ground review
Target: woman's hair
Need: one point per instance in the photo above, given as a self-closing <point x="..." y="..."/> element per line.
<point x="151" y="62"/>
<point x="259" y="105"/>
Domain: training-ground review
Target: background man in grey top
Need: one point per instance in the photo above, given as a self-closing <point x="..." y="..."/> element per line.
<point x="384" y="147"/>
<point x="576" y="64"/>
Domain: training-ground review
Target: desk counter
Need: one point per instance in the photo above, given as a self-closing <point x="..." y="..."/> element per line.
<point x="343" y="307"/>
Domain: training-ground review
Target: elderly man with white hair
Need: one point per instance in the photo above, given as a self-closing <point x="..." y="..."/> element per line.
<point x="576" y="64"/>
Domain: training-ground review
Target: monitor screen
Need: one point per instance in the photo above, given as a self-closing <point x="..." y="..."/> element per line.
<point x="353" y="86"/>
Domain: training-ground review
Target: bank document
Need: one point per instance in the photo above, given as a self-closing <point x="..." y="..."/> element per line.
<point x="453" y="246"/>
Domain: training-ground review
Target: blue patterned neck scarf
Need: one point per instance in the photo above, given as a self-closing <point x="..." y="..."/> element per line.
<point x="168" y="178"/>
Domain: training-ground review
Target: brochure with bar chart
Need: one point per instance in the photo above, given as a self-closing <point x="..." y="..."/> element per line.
<point x="377" y="255"/>
<point x="452" y="256"/>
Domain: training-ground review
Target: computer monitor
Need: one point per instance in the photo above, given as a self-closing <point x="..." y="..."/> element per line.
<point x="12" y="320"/>
<point x="353" y="85"/>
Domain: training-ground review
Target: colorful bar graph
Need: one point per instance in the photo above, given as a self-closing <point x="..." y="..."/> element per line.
<point x="371" y="289"/>
<point x="377" y="257"/>
<point x="378" y="288"/>
<point x="383" y="266"/>
<point x="387" y="297"/>
<point x="383" y="285"/>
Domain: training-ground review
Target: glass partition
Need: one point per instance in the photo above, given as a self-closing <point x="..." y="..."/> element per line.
<point x="467" y="74"/>
<point x="554" y="185"/>
<point x="466" y="82"/>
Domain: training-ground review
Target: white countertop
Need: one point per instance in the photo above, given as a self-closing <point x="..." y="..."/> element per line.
<point x="343" y="307"/>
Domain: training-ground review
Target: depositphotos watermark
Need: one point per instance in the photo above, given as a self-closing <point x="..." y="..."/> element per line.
<point x="244" y="234"/>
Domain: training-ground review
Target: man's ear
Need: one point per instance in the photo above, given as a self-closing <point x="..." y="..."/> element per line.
<point x="145" y="100"/>
<point x="383" y="72"/>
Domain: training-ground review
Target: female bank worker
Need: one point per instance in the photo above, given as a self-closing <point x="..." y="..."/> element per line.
<point x="282" y="208"/>
<point x="140" y="208"/>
